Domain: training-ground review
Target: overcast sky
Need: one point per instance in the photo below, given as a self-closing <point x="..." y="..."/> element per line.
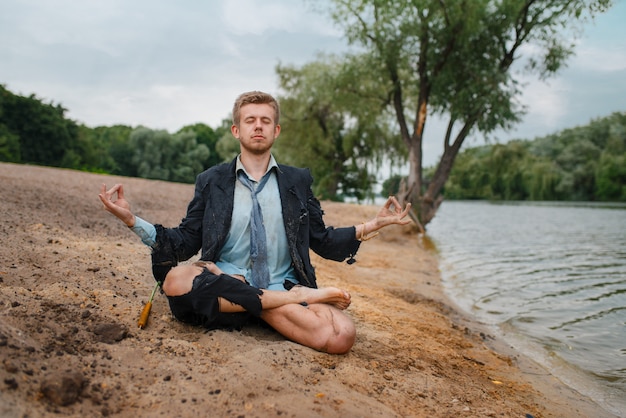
<point x="167" y="64"/>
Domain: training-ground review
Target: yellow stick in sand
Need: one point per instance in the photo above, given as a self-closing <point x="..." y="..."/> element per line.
<point x="145" y="313"/>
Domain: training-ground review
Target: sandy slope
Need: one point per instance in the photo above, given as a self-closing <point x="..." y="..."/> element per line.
<point x="73" y="280"/>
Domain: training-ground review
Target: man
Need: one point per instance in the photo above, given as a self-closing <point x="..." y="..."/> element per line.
<point x="255" y="221"/>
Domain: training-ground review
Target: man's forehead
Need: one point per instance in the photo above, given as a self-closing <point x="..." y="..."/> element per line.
<point x="257" y="110"/>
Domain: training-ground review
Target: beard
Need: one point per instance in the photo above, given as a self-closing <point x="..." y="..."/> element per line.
<point x="256" y="146"/>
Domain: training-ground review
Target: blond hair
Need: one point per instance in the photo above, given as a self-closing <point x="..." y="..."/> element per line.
<point x="254" y="97"/>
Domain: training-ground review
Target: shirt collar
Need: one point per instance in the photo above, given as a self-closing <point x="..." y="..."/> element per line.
<point x="239" y="165"/>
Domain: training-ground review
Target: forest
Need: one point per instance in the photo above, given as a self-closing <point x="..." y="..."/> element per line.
<point x="33" y="131"/>
<point x="584" y="163"/>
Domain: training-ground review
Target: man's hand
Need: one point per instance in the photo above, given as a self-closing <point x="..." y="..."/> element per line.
<point x="118" y="207"/>
<point x="388" y="216"/>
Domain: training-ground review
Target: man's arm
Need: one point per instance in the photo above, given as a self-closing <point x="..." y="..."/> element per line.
<point x="341" y="243"/>
<point x="120" y="207"/>
<point x="184" y="240"/>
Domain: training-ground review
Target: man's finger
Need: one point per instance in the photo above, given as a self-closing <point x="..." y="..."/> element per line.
<point x="105" y="201"/>
<point x="406" y="210"/>
<point x="113" y="190"/>
<point x="395" y="203"/>
<point x="120" y="191"/>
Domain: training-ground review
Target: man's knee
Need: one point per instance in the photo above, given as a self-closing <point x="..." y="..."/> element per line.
<point x="337" y="333"/>
<point x="343" y="336"/>
<point x="179" y="280"/>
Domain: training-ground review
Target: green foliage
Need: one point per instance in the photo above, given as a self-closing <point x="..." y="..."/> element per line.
<point x="114" y="149"/>
<point x="611" y="178"/>
<point x="455" y="59"/>
<point x="160" y="155"/>
<point x="471" y="181"/>
<point x="9" y="145"/>
<point x="584" y="163"/>
<point x="209" y="137"/>
<point x="32" y="131"/>
<point x="43" y="133"/>
<point x="391" y="186"/>
<point x="340" y="136"/>
<point x="227" y="147"/>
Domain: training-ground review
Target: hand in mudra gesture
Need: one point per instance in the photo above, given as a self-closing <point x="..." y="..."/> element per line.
<point x="114" y="202"/>
<point x="392" y="213"/>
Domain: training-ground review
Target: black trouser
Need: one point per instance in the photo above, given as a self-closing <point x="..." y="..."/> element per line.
<point x="201" y="307"/>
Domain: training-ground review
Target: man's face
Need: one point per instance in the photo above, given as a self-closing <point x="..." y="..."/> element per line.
<point x="257" y="128"/>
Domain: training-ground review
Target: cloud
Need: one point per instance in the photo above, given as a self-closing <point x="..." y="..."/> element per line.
<point x="166" y="64"/>
<point x="602" y="60"/>
<point x="546" y="101"/>
<point x="250" y="17"/>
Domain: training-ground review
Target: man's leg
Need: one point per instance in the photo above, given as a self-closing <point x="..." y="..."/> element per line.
<point x="180" y="279"/>
<point x="320" y="325"/>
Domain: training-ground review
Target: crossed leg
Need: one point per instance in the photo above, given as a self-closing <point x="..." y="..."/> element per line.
<point x="321" y="324"/>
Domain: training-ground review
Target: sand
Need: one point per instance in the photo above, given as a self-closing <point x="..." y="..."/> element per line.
<point x="73" y="281"/>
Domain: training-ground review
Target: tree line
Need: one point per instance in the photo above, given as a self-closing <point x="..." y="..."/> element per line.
<point x="321" y="133"/>
<point x="458" y="60"/>
<point x="586" y="163"/>
<point x="33" y="131"/>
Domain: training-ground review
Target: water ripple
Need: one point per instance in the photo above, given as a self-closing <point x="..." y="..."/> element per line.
<point x="553" y="273"/>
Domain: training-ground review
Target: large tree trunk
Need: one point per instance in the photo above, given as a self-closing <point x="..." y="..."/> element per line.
<point x="426" y="204"/>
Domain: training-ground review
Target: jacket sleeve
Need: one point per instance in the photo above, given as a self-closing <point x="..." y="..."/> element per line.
<point x="329" y="242"/>
<point x="182" y="242"/>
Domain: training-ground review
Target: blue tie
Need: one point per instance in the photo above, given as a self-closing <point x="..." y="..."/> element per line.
<point x="258" y="240"/>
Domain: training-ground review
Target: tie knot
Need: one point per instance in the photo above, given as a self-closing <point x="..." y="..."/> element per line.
<point x="246" y="181"/>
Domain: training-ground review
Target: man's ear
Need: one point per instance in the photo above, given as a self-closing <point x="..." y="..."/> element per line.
<point x="276" y="131"/>
<point x="235" y="131"/>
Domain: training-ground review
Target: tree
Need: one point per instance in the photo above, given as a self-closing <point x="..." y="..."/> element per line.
<point x="9" y="145"/>
<point x="227" y="147"/>
<point x="44" y="134"/>
<point x="159" y="155"/>
<point x="610" y="181"/>
<point x="341" y="137"/>
<point x="119" y="152"/>
<point x="209" y="137"/>
<point x="455" y="59"/>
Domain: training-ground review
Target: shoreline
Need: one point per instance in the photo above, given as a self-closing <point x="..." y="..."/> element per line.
<point x="537" y="372"/>
<point x="481" y="269"/>
<point x="567" y="399"/>
<point x="74" y="281"/>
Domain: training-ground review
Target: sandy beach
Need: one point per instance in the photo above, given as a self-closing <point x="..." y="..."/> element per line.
<point x="73" y="281"/>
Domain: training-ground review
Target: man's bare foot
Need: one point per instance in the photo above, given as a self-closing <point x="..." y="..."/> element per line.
<point x="338" y="298"/>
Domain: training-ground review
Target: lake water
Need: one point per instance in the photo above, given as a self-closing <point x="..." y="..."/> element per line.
<point x="550" y="279"/>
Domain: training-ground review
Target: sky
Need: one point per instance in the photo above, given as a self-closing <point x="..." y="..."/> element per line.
<point x="168" y="64"/>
